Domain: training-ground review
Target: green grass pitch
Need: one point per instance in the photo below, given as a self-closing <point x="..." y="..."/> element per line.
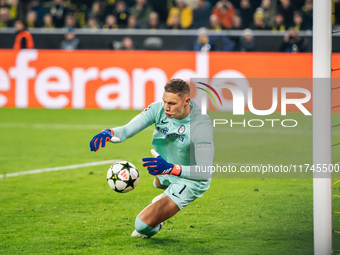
<point x="75" y="212"/>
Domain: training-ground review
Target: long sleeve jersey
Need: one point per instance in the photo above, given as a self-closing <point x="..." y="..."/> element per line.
<point x="187" y="142"/>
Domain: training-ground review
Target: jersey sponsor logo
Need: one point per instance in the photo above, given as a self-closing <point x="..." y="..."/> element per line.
<point x="164" y="122"/>
<point x="163" y="131"/>
<point x="179" y="137"/>
<point x="167" y="135"/>
<point x="181" y="129"/>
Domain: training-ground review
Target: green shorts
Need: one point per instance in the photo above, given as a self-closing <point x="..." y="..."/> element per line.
<point x="183" y="191"/>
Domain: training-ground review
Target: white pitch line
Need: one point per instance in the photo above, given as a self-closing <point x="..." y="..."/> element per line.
<point x="51" y="169"/>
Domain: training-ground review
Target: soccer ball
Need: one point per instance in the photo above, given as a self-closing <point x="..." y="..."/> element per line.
<point x="122" y="176"/>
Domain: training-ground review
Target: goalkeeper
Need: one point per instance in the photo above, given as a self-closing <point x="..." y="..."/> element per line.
<point x="182" y="143"/>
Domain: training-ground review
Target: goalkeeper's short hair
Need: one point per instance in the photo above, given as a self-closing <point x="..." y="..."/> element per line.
<point x="177" y="86"/>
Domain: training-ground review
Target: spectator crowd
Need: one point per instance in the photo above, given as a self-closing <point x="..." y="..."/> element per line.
<point x="278" y="15"/>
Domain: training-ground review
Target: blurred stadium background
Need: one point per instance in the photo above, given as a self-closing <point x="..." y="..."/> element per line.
<point x="150" y="24"/>
<point x="96" y="64"/>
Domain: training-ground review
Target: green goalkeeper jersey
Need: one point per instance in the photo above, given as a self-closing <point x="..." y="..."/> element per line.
<point x="187" y="142"/>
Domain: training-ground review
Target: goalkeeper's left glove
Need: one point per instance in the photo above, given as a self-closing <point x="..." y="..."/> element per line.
<point x="100" y="139"/>
<point x="157" y="165"/>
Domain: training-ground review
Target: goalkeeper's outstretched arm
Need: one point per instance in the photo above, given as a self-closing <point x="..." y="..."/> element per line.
<point x="136" y="125"/>
<point x="120" y="134"/>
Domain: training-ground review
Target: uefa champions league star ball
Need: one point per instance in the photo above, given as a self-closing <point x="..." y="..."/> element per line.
<point x="122" y="176"/>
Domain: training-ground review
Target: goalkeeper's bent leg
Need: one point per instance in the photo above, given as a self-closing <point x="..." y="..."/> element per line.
<point x="158" y="198"/>
<point x="145" y="229"/>
<point x="149" y="221"/>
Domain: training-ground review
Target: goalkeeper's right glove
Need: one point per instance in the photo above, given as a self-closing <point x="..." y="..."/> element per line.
<point x="157" y="165"/>
<point x="100" y="139"/>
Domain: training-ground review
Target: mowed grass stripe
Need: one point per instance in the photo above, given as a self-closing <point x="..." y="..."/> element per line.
<point x="255" y="130"/>
<point x="57" y="126"/>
